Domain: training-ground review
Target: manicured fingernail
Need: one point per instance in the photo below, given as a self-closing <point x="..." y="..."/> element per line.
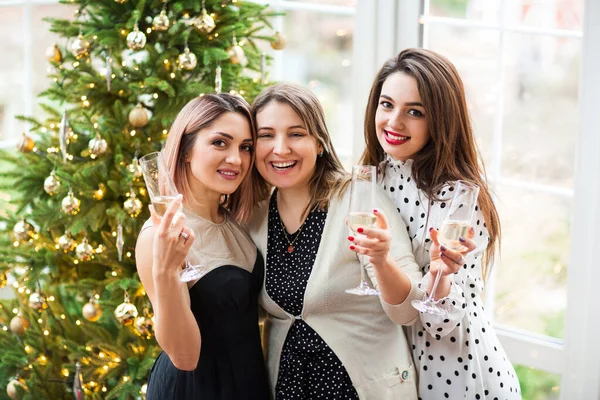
<point x="351" y="238"/>
<point x="472" y="230"/>
<point x="462" y="240"/>
<point x="352" y="247"/>
<point x="360" y="230"/>
<point x="430" y="229"/>
<point x="443" y="248"/>
<point x="375" y="211"/>
<point x="442" y="255"/>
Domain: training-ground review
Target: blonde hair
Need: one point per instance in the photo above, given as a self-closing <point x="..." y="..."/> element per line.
<point x="329" y="178"/>
<point x="200" y="113"/>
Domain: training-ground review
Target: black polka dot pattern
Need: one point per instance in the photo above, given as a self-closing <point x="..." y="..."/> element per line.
<point x="308" y="368"/>
<point x="457" y="356"/>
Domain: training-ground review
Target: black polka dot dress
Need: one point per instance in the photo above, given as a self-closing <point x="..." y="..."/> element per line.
<point x="458" y="355"/>
<point x="308" y="368"/>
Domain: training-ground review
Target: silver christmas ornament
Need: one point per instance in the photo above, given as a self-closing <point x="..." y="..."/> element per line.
<point x="136" y="40"/>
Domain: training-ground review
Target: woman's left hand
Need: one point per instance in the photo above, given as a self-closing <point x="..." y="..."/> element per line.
<point x="373" y="242"/>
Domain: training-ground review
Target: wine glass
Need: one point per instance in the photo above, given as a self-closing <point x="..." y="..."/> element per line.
<point x="360" y="214"/>
<point x="455" y="226"/>
<point x="162" y="191"/>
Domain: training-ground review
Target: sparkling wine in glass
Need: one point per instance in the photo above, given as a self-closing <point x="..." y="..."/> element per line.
<point x="162" y="192"/>
<point x="455" y="226"/>
<point x="360" y="214"/>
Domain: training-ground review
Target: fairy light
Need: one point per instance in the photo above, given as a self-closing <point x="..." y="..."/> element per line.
<point x="114" y="234"/>
<point x="40" y="321"/>
<point x="75" y="262"/>
<point x="155" y="95"/>
<point x="28" y="291"/>
<point x="15" y="310"/>
<point x="76" y="64"/>
<point x="46" y="332"/>
<point x="117" y="360"/>
<point x="101" y="354"/>
<point x="132" y="133"/>
<point x="43" y="360"/>
<point x="128" y="254"/>
<point x="21" y="290"/>
<point x="149" y="30"/>
<point x="123" y="32"/>
<point x="51" y="298"/>
<point x="172" y="75"/>
<point x="5" y="328"/>
<point x="88" y="348"/>
<point x="114" y="273"/>
<point x="125" y="378"/>
<point x="104" y="389"/>
<point x="62" y="316"/>
<point x="105" y="367"/>
<point x="28" y="349"/>
<point x="97" y="296"/>
<point x="78" y="322"/>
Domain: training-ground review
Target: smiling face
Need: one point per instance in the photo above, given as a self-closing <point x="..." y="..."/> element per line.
<point x="286" y="152"/>
<point x="400" y="121"/>
<point x="221" y="155"/>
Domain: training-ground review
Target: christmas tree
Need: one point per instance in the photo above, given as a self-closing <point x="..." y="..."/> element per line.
<point x="80" y="323"/>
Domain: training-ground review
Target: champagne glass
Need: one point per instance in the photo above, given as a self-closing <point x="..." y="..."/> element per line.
<point x="455" y="226"/>
<point x="162" y="191"/>
<point x="360" y="214"/>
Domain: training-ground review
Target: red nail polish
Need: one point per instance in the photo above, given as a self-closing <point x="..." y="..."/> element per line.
<point x="360" y="230"/>
<point x="374" y="211"/>
<point x="352" y="247"/>
<point x="351" y="238"/>
<point x="430" y="229"/>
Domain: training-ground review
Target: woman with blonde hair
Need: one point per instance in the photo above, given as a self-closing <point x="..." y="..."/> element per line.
<point x="208" y="329"/>
<point x="322" y="342"/>
<point x="418" y="133"/>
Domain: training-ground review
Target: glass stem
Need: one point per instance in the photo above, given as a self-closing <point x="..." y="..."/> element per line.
<point x="435" y="285"/>
<point x="362" y="270"/>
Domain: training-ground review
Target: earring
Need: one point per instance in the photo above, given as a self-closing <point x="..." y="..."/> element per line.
<point x="321" y="154"/>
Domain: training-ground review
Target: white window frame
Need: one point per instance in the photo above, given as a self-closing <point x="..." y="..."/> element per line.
<point x="387" y="27"/>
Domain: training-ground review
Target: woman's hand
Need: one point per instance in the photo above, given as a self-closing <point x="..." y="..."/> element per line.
<point x="172" y="239"/>
<point x="373" y="242"/>
<point x="446" y="260"/>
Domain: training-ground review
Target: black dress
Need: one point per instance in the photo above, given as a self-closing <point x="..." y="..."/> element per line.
<point x="231" y="364"/>
<point x="308" y="368"/>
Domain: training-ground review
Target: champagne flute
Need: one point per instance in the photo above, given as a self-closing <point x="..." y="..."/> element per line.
<point x="360" y="214"/>
<point x="162" y="191"/>
<point x="455" y="226"/>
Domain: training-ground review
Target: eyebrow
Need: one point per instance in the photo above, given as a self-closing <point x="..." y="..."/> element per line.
<point x="412" y="103"/>
<point x="289" y="127"/>
<point x="228" y="136"/>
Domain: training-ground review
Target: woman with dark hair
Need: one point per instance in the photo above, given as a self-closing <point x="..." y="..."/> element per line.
<point x="321" y="342"/>
<point x="418" y="133"/>
<point x="208" y="329"/>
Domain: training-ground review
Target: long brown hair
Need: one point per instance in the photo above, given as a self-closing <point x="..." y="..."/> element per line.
<point x="451" y="152"/>
<point x="329" y="178"/>
<point x="196" y="115"/>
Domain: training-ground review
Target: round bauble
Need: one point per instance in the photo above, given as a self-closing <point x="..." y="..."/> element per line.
<point x="25" y="144"/>
<point x="37" y="301"/>
<point x="161" y="21"/>
<point x="133" y="206"/>
<point x="53" y="54"/>
<point x="70" y="204"/>
<point x="204" y="23"/>
<point x="14" y="388"/>
<point x="80" y="47"/>
<point x="136" y="40"/>
<point x="138" y="116"/>
<point x="84" y="251"/>
<point x="236" y="54"/>
<point x="97" y="146"/>
<point x="187" y="60"/>
<point x="126" y="313"/>
<point x="18" y="325"/>
<point x="66" y="243"/>
<point x="91" y="311"/>
<point x="23" y="231"/>
<point x="144" y="326"/>
<point x="51" y="184"/>
<point x="279" y="42"/>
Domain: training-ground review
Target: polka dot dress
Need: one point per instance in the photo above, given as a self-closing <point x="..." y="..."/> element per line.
<point x="308" y="368"/>
<point x="458" y="355"/>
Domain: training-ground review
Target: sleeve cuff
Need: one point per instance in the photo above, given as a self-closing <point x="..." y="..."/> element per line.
<point x="404" y="313"/>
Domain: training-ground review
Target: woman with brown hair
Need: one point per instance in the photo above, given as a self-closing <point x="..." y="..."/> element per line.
<point x="322" y="342"/>
<point x="208" y="329"/>
<point x="418" y="133"/>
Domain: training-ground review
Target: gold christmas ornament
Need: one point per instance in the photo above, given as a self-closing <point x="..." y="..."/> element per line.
<point x="3" y="279"/>
<point x="84" y="251"/>
<point x="15" y="387"/>
<point x="138" y="116"/>
<point x="135" y="168"/>
<point x="70" y="205"/>
<point x="161" y="21"/>
<point x="53" y="54"/>
<point x="25" y="144"/>
<point x="143" y="391"/>
<point x="97" y="146"/>
<point x="23" y="231"/>
<point x="144" y="326"/>
<point x="204" y="23"/>
<point x="80" y="47"/>
<point x="91" y="310"/>
<point x="187" y="60"/>
<point x="236" y="53"/>
<point x="51" y="184"/>
<point x="18" y="325"/>
<point x="133" y="205"/>
<point x="126" y="312"/>
<point x="279" y="42"/>
<point x="136" y="40"/>
<point x="66" y="243"/>
<point x="37" y="301"/>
